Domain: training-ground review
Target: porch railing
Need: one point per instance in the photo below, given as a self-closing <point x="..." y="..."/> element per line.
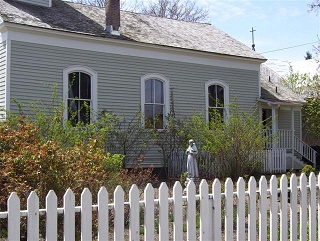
<point x="305" y="150"/>
<point x="282" y="139"/>
<point x="274" y="161"/>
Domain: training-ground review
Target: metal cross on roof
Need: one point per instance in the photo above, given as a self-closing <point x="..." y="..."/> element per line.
<point x="253" y="45"/>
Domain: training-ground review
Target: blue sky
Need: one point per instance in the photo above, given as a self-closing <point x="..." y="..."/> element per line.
<point x="278" y="24"/>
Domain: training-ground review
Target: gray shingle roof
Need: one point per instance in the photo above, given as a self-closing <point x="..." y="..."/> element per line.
<point x="272" y="90"/>
<point x="84" y="19"/>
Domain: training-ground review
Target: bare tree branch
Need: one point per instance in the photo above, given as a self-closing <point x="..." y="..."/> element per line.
<point x="186" y="10"/>
<point x="315" y="5"/>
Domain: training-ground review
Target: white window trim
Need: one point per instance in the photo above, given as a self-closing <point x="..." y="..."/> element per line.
<point x="94" y="89"/>
<point x="166" y="93"/>
<point x="226" y="95"/>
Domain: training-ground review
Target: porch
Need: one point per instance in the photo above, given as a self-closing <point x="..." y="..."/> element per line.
<point x="284" y="151"/>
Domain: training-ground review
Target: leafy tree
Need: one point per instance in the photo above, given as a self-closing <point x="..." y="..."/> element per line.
<point x="301" y="84"/>
<point x="308" y="88"/>
<point x="235" y="143"/>
<point x="311" y="116"/>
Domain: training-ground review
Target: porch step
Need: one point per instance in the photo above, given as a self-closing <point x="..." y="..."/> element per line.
<point x="297" y="164"/>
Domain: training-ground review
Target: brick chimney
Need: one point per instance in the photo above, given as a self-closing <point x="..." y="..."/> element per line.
<point x="113" y="17"/>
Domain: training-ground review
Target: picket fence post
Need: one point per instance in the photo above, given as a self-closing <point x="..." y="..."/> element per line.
<point x="118" y="214"/>
<point x="241" y="210"/>
<point x="263" y="217"/>
<point x="205" y="211"/>
<point x="312" y="207"/>
<point x="134" y="231"/>
<point x="252" y="212"/>
<point x="216" y="222"/>
<point x="228" y="209"/>
<point x="103" y="215"/>
<point x="283" y="208"/>
<point x="293" y="208"/>
<point x="148" y="213"/>
<point x="69" y="216"/>
<point x="303" y="207"/>
<point x="52" y="216"/>
<point x="177" y="212"/>
<point x="33" y="216"/>
<point x="163" y="213"/>
<point x="13" y="217"/>
<point x="191" y="211"/>
<point x="273" y="208"/>
<point x="86" y="215"/>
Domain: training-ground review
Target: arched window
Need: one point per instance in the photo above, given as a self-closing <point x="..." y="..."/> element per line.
<point x="217" y="99"/>
<point x="80" y="94"/>
<point x="154" y="100"/>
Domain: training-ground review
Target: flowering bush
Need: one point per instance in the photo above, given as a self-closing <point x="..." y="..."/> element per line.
<point x="28" y="163"/>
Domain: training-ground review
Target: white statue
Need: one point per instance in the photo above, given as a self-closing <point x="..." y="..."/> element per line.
<point x="192" y="167"/>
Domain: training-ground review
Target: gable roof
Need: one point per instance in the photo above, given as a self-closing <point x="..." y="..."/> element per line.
<point x="89" y="20"/>
<point x="272" y="90"/>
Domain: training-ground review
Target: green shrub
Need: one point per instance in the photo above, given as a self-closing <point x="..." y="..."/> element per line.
<point x="307" y="169"/>
<point x="235" y="144"/>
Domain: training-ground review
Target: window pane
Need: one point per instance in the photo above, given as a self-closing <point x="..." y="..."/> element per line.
<point x="85" y="86"/>
<point x="212" y="95"/>
<point x="73" y="111"/>
<point x="220" y="95"/>
<point x="149" y="91"/>
<point x="85" y="112"/>
<point x="159" y="92"/>
<point x="73" y="85"/>
<point x="148" y="116"/>
<point x="158" y="116"/>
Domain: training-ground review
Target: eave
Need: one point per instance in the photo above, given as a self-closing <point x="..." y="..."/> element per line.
<point x="282" y="103"/>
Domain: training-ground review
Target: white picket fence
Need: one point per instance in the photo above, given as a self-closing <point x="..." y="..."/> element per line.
<point x="260" y="212"/>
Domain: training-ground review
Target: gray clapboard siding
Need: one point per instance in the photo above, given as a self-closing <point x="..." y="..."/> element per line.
<point x="284" y="121"/>
<point x="45" y="3"/>
<point x="35" y="66"/>
<point x="297" y="124"/>
<point x="119" y="77"/>
<point x="3" y="60"/>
